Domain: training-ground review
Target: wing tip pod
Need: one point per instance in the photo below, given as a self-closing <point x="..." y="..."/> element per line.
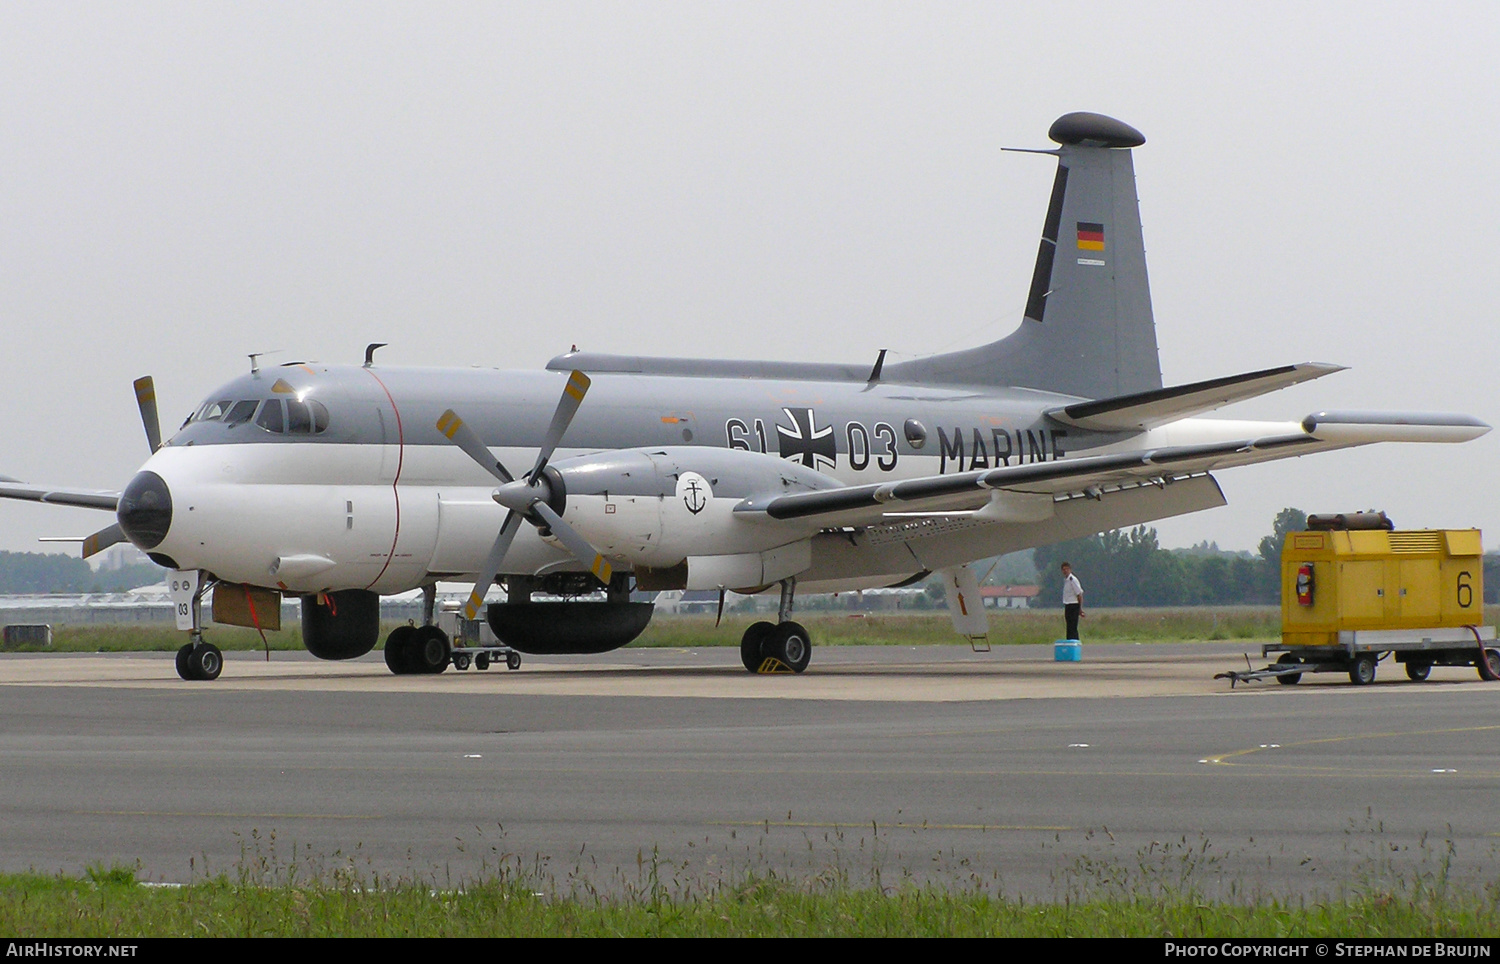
<point x="1359" y="428"/>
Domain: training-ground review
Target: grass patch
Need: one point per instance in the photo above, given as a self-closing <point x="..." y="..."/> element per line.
<point x="755" y="906"/>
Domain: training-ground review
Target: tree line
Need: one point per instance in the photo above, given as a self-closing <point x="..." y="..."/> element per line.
<point x="1127" y="567"/>
<point x="34" y="572"/>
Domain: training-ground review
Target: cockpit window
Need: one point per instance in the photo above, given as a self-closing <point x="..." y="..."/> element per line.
<point x="240" y="413"/>
<point x="298" y="418"/>
<point x="293" y="417"/>
<point x="211" y="411"/>
<point x="226" y="410"/>
<point x="271" y="418"/>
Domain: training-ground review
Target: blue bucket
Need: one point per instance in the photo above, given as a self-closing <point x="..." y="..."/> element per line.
<point x="1067" y="651"/>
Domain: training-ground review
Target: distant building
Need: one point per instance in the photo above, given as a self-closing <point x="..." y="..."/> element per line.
<point x="1008" y="597"/>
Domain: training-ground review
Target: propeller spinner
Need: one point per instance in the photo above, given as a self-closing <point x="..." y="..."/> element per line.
<point x="527" y="497"/>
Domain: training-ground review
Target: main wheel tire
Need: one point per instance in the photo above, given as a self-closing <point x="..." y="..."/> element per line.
<point x="184" y="662"/>
<point x="790" y="644"/>
<point x="1362" y="670"/>
<point x="430" y="650"/>
<point x="1417" y="672"/>
<point x="1491" y="663"/>
<point x="398" y="649"/>
<point x="752" y="644"/>
<point x="206" y="661"/>
<point x="1289" y="679"/>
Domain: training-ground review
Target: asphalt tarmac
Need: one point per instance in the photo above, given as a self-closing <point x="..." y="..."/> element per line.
<point x="1133" y="769"/>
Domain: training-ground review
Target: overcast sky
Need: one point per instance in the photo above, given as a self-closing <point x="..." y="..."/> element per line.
<point x="182" y="184"/>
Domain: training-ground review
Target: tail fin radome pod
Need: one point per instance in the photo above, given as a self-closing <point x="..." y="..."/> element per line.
<point x="1088" y="328"/>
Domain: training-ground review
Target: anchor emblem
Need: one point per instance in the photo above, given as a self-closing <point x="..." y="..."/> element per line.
<point x="694" y="492"/>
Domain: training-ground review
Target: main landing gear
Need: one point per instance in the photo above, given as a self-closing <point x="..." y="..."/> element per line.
<point x="780" y="647"/>
<point x="199" y="660"/>
<point x="419" y="649"/>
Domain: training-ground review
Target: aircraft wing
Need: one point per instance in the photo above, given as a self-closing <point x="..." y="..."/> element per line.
<point x="82" y="498"/>
<point x="1143" y="410"/>
<point x="870" y="504"/>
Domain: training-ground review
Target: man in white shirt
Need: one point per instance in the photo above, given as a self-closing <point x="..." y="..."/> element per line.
<point x="1072" y="600"/>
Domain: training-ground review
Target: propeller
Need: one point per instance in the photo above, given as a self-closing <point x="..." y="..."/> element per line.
<point x="145" y="400"/>
<point x="528" y="495"/>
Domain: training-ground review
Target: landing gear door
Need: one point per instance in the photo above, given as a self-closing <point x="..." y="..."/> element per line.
<point x="183" y="584"/>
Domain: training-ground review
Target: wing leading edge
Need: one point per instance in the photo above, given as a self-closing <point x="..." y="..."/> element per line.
<point x="81" y="498"/>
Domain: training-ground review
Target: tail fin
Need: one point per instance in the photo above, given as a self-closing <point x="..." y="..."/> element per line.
<point x="1088" y="328"/>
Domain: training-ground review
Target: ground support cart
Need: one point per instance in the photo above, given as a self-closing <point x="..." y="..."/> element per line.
<point x="1359" y="651"/>
<point x="1355" y="590"/>
<point x="474" y="644"/>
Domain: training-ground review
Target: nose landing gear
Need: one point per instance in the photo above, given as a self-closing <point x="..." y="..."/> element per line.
<point x="199" y="660"/>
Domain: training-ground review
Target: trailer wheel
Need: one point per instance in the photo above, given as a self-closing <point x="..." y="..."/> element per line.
<point x="482" y="661"/>
<point x="1362" y="670"/>
<point x="1491" y="663"/>
<point x="1289" y="679"/>
<point x="1417" y="672"/>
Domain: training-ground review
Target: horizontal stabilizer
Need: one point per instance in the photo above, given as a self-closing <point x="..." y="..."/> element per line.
<point x="1360" y="428"/>
<point x="1143" y="410"/>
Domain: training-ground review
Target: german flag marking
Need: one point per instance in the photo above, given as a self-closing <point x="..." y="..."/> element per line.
<point x="1090" y="236"/>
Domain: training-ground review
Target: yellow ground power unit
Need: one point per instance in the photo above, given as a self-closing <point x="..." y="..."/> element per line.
<point x="1355" y="591"/>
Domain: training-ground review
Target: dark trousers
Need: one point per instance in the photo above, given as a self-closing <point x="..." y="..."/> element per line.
<point x="1071" y="611"/>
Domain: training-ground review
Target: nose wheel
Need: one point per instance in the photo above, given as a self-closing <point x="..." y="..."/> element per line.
<point x="200" y="662"/>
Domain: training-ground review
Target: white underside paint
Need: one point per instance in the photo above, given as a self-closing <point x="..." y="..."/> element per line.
<point x="314" y="517"/>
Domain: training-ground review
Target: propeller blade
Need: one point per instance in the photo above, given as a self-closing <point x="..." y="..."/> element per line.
<point x="567" y="407"/>
<point x="492" y="563"/>
<point x="145" y="400"/>
<point x="576" y="543"/>
<point x="457" y="431"/>
<point x="102" y="540"/>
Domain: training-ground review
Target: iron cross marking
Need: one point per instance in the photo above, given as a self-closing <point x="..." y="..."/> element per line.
<point x="804" y="442"/>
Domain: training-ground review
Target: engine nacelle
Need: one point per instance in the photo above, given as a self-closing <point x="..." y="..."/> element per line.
<point x="656" y="507"/>
<point x="346" y="628"/>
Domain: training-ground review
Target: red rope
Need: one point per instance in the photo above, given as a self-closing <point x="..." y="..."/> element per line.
<point x="255" y="618"/>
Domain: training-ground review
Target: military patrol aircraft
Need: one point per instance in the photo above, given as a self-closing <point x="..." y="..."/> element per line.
<point x="340" y="483"/>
